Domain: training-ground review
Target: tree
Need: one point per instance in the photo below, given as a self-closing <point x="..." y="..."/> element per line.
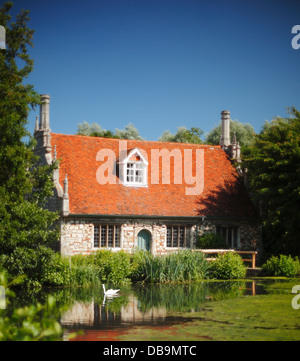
<point x="95" y="130"/>
<point x="25" y="225"/>
<point x="244" y="133"/>
<point x="273" y="164"/>
<point x="130" y="132"/>
<point x="183" y="135"/>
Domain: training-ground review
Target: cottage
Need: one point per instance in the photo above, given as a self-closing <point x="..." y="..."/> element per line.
<point x="156" y="196"/>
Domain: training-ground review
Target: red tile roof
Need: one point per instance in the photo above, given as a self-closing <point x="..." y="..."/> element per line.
<point x="223" y="196"/>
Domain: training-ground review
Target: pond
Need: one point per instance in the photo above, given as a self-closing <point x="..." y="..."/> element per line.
<point x="259" y="309"/>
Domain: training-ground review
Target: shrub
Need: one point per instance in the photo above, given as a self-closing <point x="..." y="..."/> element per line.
<point x="40" y="265"/>
<point x="102" y="266"/>
<point x="281" y="265"/>
<point x="114" y="267"/>
<point x="211" y="241"/>
<point x="57" y="271"/>
<point x="228" y="266"/>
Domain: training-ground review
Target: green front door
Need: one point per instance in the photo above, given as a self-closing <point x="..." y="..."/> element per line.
<point x="144" y="240"/>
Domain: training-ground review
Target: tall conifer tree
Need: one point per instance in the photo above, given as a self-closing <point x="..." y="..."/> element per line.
<point x="25" y="225"/>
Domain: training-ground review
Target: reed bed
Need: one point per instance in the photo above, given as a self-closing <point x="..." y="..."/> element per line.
<point x="180" y="266"/>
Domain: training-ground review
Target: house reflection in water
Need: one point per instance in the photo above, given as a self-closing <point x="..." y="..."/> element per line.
<point x="148" y="306"/>
<point x="97" y="316"/>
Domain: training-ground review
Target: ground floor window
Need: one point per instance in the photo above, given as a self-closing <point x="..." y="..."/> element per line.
<point x="230" y="234"/>
<point x="179" y="236"/>
<point x="107" y="236"/>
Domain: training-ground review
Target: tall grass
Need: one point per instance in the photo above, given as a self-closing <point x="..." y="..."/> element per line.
<point x="174" y="267"/>
<point x="117" y="268"/>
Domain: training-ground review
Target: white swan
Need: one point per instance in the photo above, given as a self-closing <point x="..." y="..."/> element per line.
<point x="109" y="292"/>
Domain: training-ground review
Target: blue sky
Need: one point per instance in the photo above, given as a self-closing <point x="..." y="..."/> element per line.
<point x="162" y="64"/>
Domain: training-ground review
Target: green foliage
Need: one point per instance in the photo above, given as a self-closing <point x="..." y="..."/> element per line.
<point x="114" y="267"/>
<point x="130" y="132"/>
<point x="281" y="265"/>
<point x="183" y="135"/>
<point x="56" y="271"/>
<point x="26" y="228"/>
<point x="228" y="266"/>
<point x="15" y="102"/>
<point x="30" y="323"/>
<point x="273" y="164"/>
<point x="84" y="275"/>
<point x="105" y="266"/>
<point x="211" y="241"/>
<point x="40" y="265"/>
<point x="179" y="266"/>
<point x="245" y="134"/>
<point x="95" y="130"/>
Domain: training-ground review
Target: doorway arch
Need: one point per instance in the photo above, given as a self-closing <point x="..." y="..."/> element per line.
<point x="144" y="240"/>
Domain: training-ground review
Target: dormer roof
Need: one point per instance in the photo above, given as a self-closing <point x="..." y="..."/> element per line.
<point x="132" y="155"/>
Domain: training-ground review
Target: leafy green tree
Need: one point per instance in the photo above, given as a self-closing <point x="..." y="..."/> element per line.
<point x="244" y="133"/>
<point x="183" y="135"/>
<point x="25" y="225"/>
<point x="273" y="164"/>
<point x="130" y="132"/>
<point x="95" y="130"/>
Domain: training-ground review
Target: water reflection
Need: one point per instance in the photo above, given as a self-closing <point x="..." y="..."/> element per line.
<point x="148" y="305"/>
<point x="111" y="313"/>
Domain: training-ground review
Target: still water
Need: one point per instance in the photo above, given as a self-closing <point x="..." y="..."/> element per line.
<point x="145" y="312"/>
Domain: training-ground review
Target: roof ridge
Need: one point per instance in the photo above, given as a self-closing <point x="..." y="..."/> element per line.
<point x="138" y="141"/>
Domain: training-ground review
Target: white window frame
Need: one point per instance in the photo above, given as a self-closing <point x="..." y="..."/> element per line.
<point x="138" y="168"/>
<point x="136" y="171"/>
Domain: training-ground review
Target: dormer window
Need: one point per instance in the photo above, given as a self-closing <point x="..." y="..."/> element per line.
<point x="133" y="169"/>
<point x="135" y="173"/>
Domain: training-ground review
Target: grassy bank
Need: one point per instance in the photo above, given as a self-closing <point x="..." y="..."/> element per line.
<point x="118" y="268"/>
